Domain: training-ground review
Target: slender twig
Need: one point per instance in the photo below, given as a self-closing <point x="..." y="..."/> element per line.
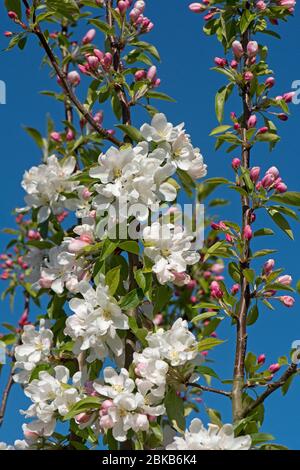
<point x="292" y="369"/>
<point x="245" y="296"/>
<point x="5" y="396"/>
<point x="204" y="388"/>
<point x="68" y="90"/>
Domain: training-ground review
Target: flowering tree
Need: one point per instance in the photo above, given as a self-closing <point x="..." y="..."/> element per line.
<point x="129" y="304"/>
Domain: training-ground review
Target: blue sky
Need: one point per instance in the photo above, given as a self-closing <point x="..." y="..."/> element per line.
<point x="187" y="56"/>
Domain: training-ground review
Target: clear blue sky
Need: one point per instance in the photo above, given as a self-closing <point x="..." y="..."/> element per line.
<point x="187" y="56"/>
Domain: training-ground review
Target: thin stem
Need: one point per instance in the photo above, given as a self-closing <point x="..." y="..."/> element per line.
<point x="292" y="369"/>
<point x="204" y="388"/>
<point x="245" y="296"/>
<point x="5" y="397"/>
<point x="69" y="91"/>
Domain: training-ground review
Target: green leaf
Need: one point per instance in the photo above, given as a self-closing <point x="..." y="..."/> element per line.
<point x="175" y="410"/>
<point x="290" y="197"/>
<point x="214" y="416"/>
<point x="203" y="316"/>
<point x="160" y="96"/>
<point x="265" y="252"/>
<point x="281" y="222"/>
<point x="209" y="343"/>
<point x="35" y="134"/>
<point x="132" y="132"/>
<point x="14" y="5"/>
<point x="221" y="97"/>
<point x="130" y="246"/>
<point x="132" y="299"/>
<point x="204" y="370"/>
<point x="64" y="8"/>
<point x="249" y="275"/>
<point x="268" y="137"/>
<point x="147" y="47"/>
<point x="263" y="232"/>
<point x="162" y="296"/>
<point x="252" y="315"/>
<point x="86" y="404"/>
<point x="112" y="279"/>
<point x="246" y="20"/>
<point x="220" y="130"/>
<point x="140" y="333"/>
<point x="104" y="27"/>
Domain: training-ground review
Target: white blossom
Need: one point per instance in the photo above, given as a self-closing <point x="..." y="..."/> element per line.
<point x="176" y="345"/>
<point x="46" y="184"/>
<point x="34" y="349"/>
<point x="169" y="247"/>
<point x="177" y="145"/>
<point x="50" y="395"/>
<point x="197" y="437"/>
<point x="132" y="176"/>
<point x="130" y="408"/>
<point x="95" y="322"/>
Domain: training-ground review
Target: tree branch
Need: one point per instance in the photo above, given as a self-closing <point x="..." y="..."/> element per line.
<point x="209" y="389"/>
<point x="5" y="396"/>
<point x="292" y="369"/>
<point x="68" y="90"/>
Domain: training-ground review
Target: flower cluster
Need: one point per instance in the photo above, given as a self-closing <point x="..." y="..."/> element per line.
<point x="169" y="248"/>
<point x="197" y="437"/>
<point x="46" y="184"/>
<point x="52" y="396"/>
<point x="34" y="349"/>
<point x="96" y="320"/>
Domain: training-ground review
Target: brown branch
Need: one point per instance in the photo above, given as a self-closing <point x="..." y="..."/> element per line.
<point x="204" y="388"/>
<point x="5" y="396"/>
<point x="68" y="90"/>
<point x="245" y="296"/>
<point x="292" y="369"/>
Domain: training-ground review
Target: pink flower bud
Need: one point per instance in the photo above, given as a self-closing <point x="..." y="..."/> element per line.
<point x="191" y="284"/>
<point x="273" y="171"/>
<point x="89" y="37"/>
<point x="261" y="359"/>
<point x="274" y="368"/>
<point x="237" y="126"/>
<point x="99" y="54"/>
<point x="140" y="75"/>
<point x="248" y="76"/>
<point x="268" y="266"/>
<point x="285" y="280"/>
<point x="74" y="78"/>
<point x="12" y="15"/>
<point x="8" y="34"/>
<point x="83" y="68"/>
<point x="122" y="6"/>
<point x="281" y="187"/>
<point x="151" y="74"/>
<point x="252" y="48"/>
<point x="82" y="418"/>
<point x="196" y="7"/>
<point x="55" y="136"/>
<point x="228" y="238"/>
<point x="70" y="135"/>
<point x="234" y="64"/>
<point x="252" y="121"/>
<point x="158" y="319"/>
<point x="261" y="5"/>
<point x="288" y="97"/>
<point x="282" y="117"/>
<point x="107" y="60"/>
<point x="215" y="290"/>
<point x="267" y="181"/>
<point x="93" y="62"/>
<point x="220" y="62"/>
<point x="254" y="173"/>
<point x="287" y="300"/>
<point x="24" y="317"/>
<point x="247" y="233"/>
<point x="235" y="289"/>
<point x="263" y="130"/>
<point x="106" y="422"/>
<point x="237" y="49"/>
<point x="140" y="5"/>
<point x="270" y="82"/>
<point x="236" y="163"/>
